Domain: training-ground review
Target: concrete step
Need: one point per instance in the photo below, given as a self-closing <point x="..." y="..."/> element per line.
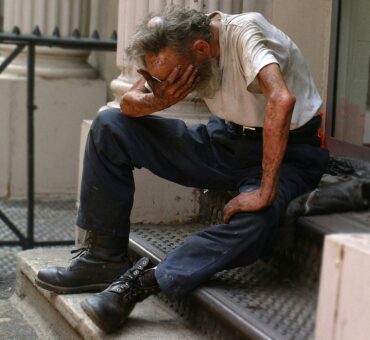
<point x="55" y="316"/>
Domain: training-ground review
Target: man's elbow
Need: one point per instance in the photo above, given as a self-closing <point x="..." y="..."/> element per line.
<point x="127" y="108"/>
<point x="286" y="101"/>
<point x="282" y="102"/>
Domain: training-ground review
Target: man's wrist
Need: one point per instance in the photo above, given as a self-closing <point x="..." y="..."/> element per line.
<point x="158" y="103"/>
<point x="267" y="194"/>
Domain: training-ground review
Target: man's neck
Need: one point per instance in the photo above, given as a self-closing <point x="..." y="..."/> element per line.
<point x="215" y="26"/>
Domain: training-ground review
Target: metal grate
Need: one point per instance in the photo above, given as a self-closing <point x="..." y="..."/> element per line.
<point x="54" y="220"/>
<point x="8" y="259"/>
<point x="285" y="305"/>
<point x="282" y="301"/>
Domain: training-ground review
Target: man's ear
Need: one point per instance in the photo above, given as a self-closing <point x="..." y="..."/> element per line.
<point x="201" y="49"/>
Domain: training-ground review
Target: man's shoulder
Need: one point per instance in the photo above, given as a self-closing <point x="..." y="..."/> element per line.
<point x="239" y="18"/>
<point x="242" y="19"/>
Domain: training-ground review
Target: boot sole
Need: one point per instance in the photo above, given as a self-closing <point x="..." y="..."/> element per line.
<point x="98" y="287"/>
<point x="96" y="319"/>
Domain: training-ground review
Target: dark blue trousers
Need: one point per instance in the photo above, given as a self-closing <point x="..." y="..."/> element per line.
<point x="208" y="156"/>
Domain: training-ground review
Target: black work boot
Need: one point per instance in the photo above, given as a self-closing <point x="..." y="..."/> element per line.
<point x="101" y="260"/>
<point x="110" y="309"/>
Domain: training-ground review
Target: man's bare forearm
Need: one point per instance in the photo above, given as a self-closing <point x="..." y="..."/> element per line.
<point x="275" y="138"/>
<point x="278" y="114"/>
<point x="137" y="104"/>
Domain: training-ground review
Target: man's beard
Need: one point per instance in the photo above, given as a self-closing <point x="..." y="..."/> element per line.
<point x="210" y="78"/>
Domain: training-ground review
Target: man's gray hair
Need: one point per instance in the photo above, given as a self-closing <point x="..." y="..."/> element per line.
<point x="176" y="29"/>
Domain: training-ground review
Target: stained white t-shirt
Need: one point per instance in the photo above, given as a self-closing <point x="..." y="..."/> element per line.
<point x="248" y="42"/>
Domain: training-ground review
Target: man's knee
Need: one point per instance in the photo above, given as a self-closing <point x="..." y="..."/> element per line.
<point x="110" y="124"/>
<point x="106" y="119"/>
<point x="254" y="226"/>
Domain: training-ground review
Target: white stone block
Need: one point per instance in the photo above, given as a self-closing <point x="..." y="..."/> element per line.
<point x="61" y="105"/>
<point x="85" y="128"/>
<point x="344" y="298"/>
<point x="160" y="201"/>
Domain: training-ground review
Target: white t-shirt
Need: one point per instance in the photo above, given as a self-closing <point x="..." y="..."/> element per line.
<point x="248" y="42"/>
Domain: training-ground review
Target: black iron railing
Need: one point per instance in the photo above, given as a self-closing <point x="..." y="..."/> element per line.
<point x="75" y="41"/>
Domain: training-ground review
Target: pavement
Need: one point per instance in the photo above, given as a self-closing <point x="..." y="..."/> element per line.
<point x="54" y="220"/>
<point x="12" y="323"/>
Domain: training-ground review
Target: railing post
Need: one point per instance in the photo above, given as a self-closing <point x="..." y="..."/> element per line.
<point x="31" y="143"/>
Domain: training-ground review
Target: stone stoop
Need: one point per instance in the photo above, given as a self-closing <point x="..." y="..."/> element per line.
<point x="54" y="316"/>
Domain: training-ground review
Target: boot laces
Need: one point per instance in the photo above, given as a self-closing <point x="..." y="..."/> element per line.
<point x="84" y="249"/>
<point x="128" y="281"/>
<point x="79" y="252"/>
<point x="130" y="285"/>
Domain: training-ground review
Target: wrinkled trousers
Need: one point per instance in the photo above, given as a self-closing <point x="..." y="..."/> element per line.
<point x="208" y="156"/>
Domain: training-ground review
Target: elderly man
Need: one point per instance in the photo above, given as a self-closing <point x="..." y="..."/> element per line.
<point x="262" y="141"/>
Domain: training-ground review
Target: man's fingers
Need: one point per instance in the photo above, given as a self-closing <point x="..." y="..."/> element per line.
<point x="156" y="85"/>
<point x="173" y="75"/>
<point x="226" y="218"/>
<point x="193" y="78"/>
<point x="189" y="71"/>
<point x="147" y="76"/>
<point x="244" y="202"/>
<point x="183" y="83"/>
<point x="230" y="209"/>
<point x="184" y="80"/>
<point x="227" y="214"/>
<point x="182" y="92"/>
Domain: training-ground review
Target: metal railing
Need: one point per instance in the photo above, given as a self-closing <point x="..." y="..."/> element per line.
<point x="30" y="41"/>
